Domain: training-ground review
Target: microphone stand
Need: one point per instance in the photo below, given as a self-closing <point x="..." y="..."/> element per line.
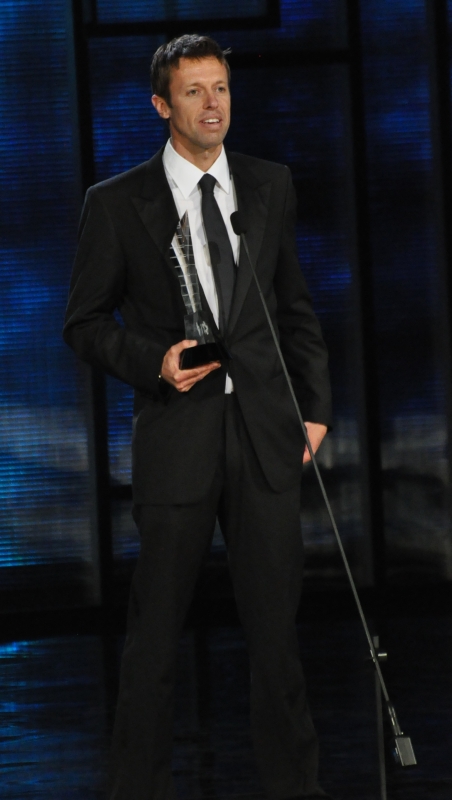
<point x="403" y="749"/>
<point x="380" y="729"/>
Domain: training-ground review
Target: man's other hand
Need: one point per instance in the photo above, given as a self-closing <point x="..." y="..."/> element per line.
<point x="183" y="379"/>
<point x="316" y="432"/>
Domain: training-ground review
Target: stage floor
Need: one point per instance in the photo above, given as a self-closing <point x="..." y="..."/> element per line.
<point x="57" y="701"/>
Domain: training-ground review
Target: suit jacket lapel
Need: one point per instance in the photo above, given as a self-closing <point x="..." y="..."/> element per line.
<point x="253" y="198"/>
<point x="157" y="209"/>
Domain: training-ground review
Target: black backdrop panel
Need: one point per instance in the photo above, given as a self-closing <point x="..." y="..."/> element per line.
<point x="153" y="10"/>
<point x="407" y="290"/>
<point x="306" y="24"/>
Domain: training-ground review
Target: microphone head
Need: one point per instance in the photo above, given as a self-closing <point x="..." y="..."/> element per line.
<point x="238" y="223"/>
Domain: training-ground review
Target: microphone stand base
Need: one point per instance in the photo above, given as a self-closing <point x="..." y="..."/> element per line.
<point x="403" y="751"/>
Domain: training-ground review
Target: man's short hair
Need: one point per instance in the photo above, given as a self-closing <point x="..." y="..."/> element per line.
<point x="167" y="57"/>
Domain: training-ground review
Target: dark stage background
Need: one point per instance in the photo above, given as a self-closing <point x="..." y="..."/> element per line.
<point x="355" y="98"/>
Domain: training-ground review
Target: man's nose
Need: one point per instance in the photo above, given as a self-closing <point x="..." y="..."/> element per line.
<point x="211" y="100"/>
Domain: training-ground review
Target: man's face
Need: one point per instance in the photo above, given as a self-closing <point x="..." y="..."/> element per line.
<point x="199" y="114"/>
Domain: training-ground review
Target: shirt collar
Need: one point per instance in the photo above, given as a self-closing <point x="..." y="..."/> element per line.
<point x="186" y="175"/>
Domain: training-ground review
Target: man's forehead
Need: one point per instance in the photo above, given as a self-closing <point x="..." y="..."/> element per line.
<point x="192" y="69"/>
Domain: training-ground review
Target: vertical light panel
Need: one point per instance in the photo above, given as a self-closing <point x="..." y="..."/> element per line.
<point x="44" y="494"/>
<point x="407" y="289"/>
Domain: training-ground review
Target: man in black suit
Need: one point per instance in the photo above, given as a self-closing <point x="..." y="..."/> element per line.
<point x="220" y="440"/>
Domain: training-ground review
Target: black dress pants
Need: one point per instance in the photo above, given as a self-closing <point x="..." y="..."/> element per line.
<point x="262" y="533"/>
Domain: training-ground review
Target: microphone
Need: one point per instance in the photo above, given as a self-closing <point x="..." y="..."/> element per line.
<point x="239" y="224"/>
<point x="403" y="748"/>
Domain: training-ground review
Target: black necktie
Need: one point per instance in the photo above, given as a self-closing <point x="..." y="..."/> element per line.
<point x="221" y="256"/>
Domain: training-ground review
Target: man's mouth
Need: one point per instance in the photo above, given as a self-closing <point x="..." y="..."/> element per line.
<point x="211" y="121"/>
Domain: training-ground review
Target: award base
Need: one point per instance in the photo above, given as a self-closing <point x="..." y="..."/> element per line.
<point x="202" y="354"/>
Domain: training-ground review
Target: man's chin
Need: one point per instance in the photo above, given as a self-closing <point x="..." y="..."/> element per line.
<point x="199" y="143"/>
<point x="210" y="141"/>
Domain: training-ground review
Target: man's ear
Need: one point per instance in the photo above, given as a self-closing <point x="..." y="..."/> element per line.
<point x="161" y="106"/>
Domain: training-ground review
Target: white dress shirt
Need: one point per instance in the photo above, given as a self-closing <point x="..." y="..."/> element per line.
<point x="183" y="178"/>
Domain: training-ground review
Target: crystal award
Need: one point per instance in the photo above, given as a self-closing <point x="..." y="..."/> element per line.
<point x="209" y="347"/>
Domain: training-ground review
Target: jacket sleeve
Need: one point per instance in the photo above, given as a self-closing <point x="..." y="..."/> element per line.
<point x="301" y="338"/>
<point x="97" y="287"/>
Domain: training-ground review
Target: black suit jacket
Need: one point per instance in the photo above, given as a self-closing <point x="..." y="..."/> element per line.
<point x="123" y="263"/>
